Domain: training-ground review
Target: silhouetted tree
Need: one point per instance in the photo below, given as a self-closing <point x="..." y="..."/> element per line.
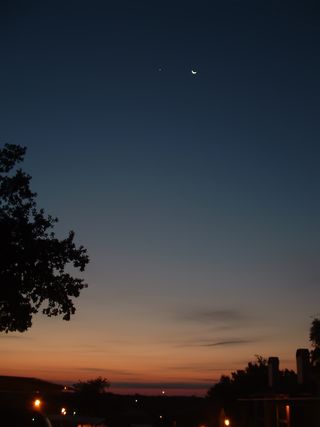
<point x="33" y="259"/>
<point x="253" y="380"/>
<point x="315" y="341"/>
<point x="92" y="387"/>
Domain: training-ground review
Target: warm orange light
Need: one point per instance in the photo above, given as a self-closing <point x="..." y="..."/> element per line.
<point x="226" y="422"/>
<point x="63" y="411"/>
<point x="288" y="413"/>
<point x="37" y="403"/>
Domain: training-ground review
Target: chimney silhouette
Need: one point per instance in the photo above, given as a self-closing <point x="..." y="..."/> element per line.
<point x="273" y="371"/>
<point x="303" y="365"/>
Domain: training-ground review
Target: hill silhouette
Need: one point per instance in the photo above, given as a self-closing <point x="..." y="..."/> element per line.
<point x="27" y="384"/>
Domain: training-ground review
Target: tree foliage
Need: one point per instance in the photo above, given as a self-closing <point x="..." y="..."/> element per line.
<point x="33" y="260"/>
<point x="252" y="380"/>
<point x="315" y="341"/>
<point x="92" y="387"/>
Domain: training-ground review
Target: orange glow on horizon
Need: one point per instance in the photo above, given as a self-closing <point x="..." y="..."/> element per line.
<point x="132" y="366"/>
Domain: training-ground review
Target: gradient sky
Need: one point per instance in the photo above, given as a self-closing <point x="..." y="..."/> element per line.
<point x="196" y="196"/>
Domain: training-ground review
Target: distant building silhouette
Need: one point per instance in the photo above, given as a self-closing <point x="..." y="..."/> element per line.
<point x="273" y="371"/>
<point x="299" y="408"/>
<point x="303" y="365"/>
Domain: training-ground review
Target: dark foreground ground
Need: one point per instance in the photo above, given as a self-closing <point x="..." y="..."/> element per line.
<point x="114" y="410"/>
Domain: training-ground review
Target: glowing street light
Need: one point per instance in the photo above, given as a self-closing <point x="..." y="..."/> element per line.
<point x="226" y="422"/>
<point x="37" y="403"/>
<point x="63" y="411"/>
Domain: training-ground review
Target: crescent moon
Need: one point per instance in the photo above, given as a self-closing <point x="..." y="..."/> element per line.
<point x="194" y="72"/>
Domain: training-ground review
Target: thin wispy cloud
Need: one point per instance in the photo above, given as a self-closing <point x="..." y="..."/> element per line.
<point x="105" y="371"/>
<point x="160" y="386"/>
<point x="208" y="380"/>
<point x="230" y="342"/>
<point x="120" y="342"/>
<point x="211" y="316"/>
<point x="14" y="337"/>
<point x="217" y="343"/>
<point x="198" y="369"/>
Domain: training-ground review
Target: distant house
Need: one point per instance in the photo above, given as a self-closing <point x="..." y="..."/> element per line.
<point x="300" y="409"/>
